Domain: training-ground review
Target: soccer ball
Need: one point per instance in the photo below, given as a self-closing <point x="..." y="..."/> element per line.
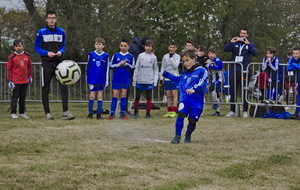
<point x="67" y="72"/>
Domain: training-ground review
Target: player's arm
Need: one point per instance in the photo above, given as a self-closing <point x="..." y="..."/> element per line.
<point x="29" y="67"/>
<point x="171" y="76"/>
<point x="9" y="69"/>
<point x="219" y="66"/>
<point x="107" y="71"/>
<point x="155" y="72"/>
<point x="292" y="66"/>
<point x="162" y="69"/>
<point x="38" y="45"/>
<point x="252" y="49"/>
<point x="275" y="66"/>
<point x="136" y="71"/>
<point x="128" y="66"/>
<point x="114" y="64"/>
<point x="202" y="81"/>
<point x="62" y="49"/>
<point x="228" y="47"/>
<point x="265" y="64"/>
<point x="175" y="61"/>
<point x="88" y="69"/>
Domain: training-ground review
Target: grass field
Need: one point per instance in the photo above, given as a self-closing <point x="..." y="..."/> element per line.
<point x="225" y="153"/>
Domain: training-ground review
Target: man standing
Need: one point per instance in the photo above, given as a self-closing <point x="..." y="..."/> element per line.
<point x="242" y="49"/>
<point x="50" y="45"/>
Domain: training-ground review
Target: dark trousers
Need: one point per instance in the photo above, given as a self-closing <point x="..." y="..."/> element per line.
<point x="48" y="70"/>
<point x="235" y="81"/>
<point x="18" y="93"/>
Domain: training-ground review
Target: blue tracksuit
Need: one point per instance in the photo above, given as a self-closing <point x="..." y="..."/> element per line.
<point x="97" y="69"/>
<point x="273" y="69"/>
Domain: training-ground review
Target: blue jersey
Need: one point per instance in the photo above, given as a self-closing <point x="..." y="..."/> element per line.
<point x="273" y="69"/>
<point x="294" y="65"/>
<point x="97" y="69"/>
<point x="216" y="67"/>
<point x="122" y="73"/>
<point x="196" y="80"/>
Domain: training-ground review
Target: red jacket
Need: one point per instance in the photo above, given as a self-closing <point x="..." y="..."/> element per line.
<point x="19" y="67"/>
<point x="262" y="80"/>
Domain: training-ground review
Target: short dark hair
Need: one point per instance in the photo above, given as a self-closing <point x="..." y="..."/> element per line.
<point x="290" y="53"/>
<point x="145" y="38"/>
<point x="173" y="43"/>
<point x="202" y="48"/>
<point x="246" y="29"/>
<point x="189" y="52"/>
<point x="296" y="48"/>
<point x="190" y="42"/>
<point x="100" y="40"/>
<point x="17" y="42"/>
<point x="271" y="49"/>
<point x="125" y="40"/>
<point x="149" y="43"/>
<point x="212" y="49"/>
<point x="50" y="12"/>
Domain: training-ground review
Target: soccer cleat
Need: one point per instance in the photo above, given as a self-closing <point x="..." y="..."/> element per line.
<point x="167" y="115"/>
<point x="14" y="116"/>
<point x="294" y="116"/>
<point x="111" y="116"/>
<point x="226" y="100"/>
<point x="176" y="140"/>
<point x="187" y="138"/>
<point x="67" y="116"/>
<point x="287" y="108"/>
<point x="123" y="116"/>
<point x="49" y="116"/>
<point x="172" y="114"/>
<point x="148" y="116"/>
<point x="215" y="106"/>
<point x="245" y="114"/>
<point x="23" y="115"/>
<point x="90" y="116"/>
<point x="136" y="113"/>
<point x="272" y="102"/>
<point x="230" y="114"/>
<point x="266" y="101"/>
<point x="99" y="116"/>
<point x="216" y="114"/>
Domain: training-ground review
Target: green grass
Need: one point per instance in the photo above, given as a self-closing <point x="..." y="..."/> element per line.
<point x="225" y="153"/>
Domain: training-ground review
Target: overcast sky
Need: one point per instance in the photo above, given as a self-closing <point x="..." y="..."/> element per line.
<point x="12" y="4"/>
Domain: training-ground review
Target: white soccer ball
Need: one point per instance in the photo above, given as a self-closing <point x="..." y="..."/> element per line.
<point x="67" y="72"/>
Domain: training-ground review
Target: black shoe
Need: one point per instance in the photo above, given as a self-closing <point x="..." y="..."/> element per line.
<point x="148" y="116"/>
<point x="216" y="114"/>
<point x="293" y="117"/>
<point x="90" y="116"/>
<point x="99" y="116"/>
<point x="176" y="140"/>
<point x="187" y="138"/>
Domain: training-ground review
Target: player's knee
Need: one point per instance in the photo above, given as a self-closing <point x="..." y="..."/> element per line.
<point x="148" y="96"/>
<point x="169" y="94"/>
<point x="181" y="115"/>
<point x="192" y="121"/>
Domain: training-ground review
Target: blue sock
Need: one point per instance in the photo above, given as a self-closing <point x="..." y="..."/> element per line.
<point x="113" y="105"/>
<point x="100" y="103"/>
<point x="190" y="129"/>
<point x="123" y="106"/>
<point x="268" y="94"/>
<point x="179" y="126"/>
<point x="298" y="104"/>
<point x="91" y="105"/>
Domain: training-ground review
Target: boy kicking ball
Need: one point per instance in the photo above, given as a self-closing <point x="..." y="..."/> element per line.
<point x="192" y="84"/>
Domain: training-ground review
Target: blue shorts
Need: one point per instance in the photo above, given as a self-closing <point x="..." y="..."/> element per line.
<point x="170" y="85"/>
<point x="144" y="86"/>
<point x="189" y="111"/>
<point x="226" y="90"/>
<point x="96" y="87"/>
<point x="118" y="86"/>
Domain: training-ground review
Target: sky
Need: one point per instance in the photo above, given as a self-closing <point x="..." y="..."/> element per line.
<point x="12" y="4"/>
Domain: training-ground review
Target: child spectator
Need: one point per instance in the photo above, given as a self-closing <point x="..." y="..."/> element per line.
<point x="145" y="77"/>
<point x="289" y="81"/>
<point x="216" y="66"/>
<point x="97" y="75"/>
<point x="122" y="63"/>
<point x="262" y="83"/>
<point x="294" y="65"/>
<point x="274" y="72"/>
<point x="170" y="64"/>
<point x="201" y="55"/>
<point x="19" y="75"/>
<point x="192" y="84"/>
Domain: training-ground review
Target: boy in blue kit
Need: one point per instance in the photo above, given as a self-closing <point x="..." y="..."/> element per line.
<point x="192" y="85"/>
<point x="97" y="75"/>
<point x="216" y="67"/>
<point x="123" y="64"/>
<point x="274" y="71"/>
<point x="294" y="65"/>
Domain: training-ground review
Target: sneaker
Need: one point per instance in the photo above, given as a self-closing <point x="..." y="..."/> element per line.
<point x="123" y="116"/>
<point x="287" y="108"/>
<point x="172" y="114"/>
<point x="215" y="106"/>
<point x="136" y="113"/>
<point x="245" y="114"/>
<point x="187" y="138"/>
<point x="67" y="116"/>
<point x="14" y="116"/>
<point x="23" y="115"/>
<point x="272" y="102"/>
<point x="294" y="116"/>
<point x="99" y="116"/>
<point x="127" y="114"/>
<point x="90" y="116"/>
<point x="167" y="115"/>
<point x="176" y="140"/>
<point x="148" y="116"/>
<point x="226" y="100"/>
<point x="49" y="116"/>
<point x="266" y="101"/>
<point x="111" y="116"/>
<point x="216" y="114"/>
<point x="230" y="114"/>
